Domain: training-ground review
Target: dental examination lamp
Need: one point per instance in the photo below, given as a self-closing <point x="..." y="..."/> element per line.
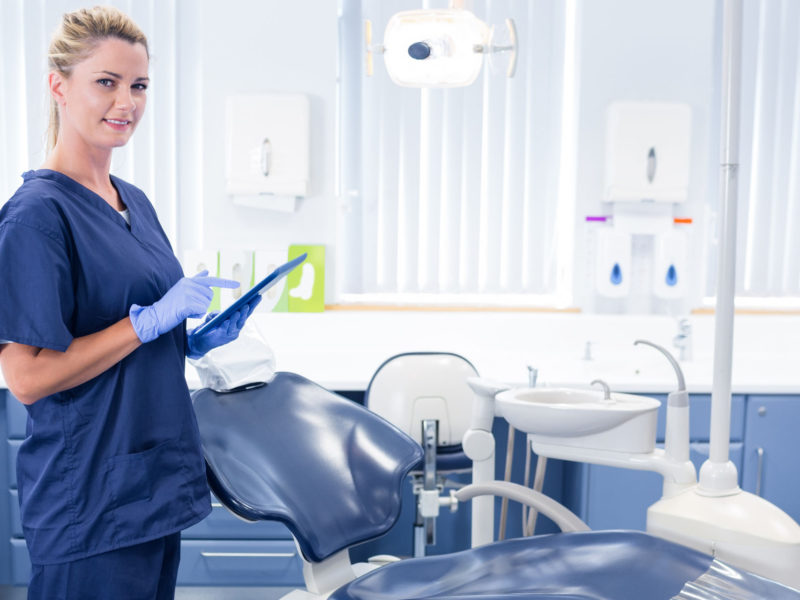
<point x="440" y="48"/>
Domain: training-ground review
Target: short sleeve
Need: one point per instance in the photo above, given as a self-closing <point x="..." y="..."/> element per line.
<point x="36" y="296"/>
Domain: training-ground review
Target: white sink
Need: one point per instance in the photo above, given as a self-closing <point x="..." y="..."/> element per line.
<point x="583" y="418"/>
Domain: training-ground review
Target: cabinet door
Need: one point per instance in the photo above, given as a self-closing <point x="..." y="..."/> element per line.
<point x="615" y="498"/>
<point x="771" y="466"/>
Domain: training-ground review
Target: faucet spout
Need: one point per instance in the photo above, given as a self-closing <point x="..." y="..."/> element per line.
<point x="683" y="340"/>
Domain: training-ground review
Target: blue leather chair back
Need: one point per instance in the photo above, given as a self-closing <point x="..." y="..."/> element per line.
<point x="294" y="452"/>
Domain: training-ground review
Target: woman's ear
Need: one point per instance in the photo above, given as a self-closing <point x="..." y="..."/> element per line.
<point x="56" y="82"/>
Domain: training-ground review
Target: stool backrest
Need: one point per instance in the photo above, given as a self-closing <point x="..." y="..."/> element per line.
<point x="409" y="388"/>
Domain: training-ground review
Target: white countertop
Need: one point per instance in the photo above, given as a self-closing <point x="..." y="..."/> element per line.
<point x="342" y="349"/>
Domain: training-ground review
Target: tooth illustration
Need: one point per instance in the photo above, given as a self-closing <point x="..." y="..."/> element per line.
<point x="304" y="290"/>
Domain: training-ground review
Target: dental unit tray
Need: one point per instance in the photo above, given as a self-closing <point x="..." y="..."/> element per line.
<point x="260" y="288"/>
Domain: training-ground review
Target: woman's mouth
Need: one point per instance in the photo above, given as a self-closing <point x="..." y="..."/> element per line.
<point x="117" y="124"/>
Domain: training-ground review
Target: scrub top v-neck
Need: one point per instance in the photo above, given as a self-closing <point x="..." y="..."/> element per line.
<point x="115" y="461"/>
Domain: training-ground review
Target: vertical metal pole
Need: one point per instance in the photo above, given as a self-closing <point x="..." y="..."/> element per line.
<point x="718" y="475"/>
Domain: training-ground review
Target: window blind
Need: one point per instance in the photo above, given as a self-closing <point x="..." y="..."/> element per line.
<point x="768" y="261"/>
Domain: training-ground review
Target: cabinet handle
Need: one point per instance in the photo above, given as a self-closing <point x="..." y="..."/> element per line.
<point x="216" y="505"/>
<point x="759" y="470"/>
<point x="247" y="554"/>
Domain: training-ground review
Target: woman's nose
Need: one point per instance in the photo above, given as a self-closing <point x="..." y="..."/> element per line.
<point x="125" y="100"/>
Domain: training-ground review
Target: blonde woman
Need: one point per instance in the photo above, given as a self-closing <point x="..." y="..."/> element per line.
<point x="93" y="339"/>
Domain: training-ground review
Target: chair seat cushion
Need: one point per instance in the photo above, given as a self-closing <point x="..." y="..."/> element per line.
<point x="596" y="565"/>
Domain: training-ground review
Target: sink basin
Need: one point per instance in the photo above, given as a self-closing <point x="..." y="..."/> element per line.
<point x="575" y="417"/>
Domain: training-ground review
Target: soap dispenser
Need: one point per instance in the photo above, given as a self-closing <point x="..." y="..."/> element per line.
<point x="670" y="269"/>
<point x="613" y="264"/>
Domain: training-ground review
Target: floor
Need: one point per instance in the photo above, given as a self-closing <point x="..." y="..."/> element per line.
<point x="186" y="593"/>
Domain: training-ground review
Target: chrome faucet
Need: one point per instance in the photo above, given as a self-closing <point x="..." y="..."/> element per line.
<point x="533" y="375"/>
<point x="683" y="341"/>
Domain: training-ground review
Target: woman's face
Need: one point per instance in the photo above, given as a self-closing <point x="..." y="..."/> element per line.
<point x="103" y="99"/>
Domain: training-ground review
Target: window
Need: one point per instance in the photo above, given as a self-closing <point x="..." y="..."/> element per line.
<point x="462" y="194"/>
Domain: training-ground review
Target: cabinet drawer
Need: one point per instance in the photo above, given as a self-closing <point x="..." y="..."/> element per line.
<point x="17" y="417"/>
<point x="217" y="562"/>
<point x="20" y="563"/>
<point x="211" y="563"/>
<point x="13" y="450"/>
<point x="700" y="417"/>
<point x="13" y="505"/>
<point x="221" y="524"/>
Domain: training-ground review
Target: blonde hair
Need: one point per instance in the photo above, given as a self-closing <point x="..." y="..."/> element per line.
<point x="75" y="39"/>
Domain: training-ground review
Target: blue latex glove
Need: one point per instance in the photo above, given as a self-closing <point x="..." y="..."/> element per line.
<point x="190" y="297"/>
<point x="199" y="344"/>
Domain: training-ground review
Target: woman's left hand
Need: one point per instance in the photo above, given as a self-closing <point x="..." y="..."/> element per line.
<point x="200" y="344"/>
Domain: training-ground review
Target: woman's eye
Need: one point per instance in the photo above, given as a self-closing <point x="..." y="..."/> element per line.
<point x="140" y="86"/>
<point x="105" y="82"/>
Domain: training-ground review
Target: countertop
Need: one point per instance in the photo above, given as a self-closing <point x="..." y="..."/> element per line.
<point x="342" y="349"/>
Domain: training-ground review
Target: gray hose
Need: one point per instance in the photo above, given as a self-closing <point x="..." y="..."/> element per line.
<point x="538" y="485"/>
<point x="558" y="513"/>
<point x="501" y="534"/>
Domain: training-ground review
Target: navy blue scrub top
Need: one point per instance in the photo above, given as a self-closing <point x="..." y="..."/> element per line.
<point x="115" y="461"/>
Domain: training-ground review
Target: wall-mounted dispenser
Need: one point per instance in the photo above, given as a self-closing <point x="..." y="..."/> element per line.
<point x="670" y="264"/>
<point x="640" y="245"/>
<point x="613" y="264"/>
<point x="647" y="152"/>
<point x="267" y="150"/>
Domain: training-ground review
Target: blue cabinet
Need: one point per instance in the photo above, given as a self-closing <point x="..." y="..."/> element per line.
<point x="771" y="466"/>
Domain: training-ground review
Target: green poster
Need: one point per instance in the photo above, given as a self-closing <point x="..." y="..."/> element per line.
<point x="307" y="282"/>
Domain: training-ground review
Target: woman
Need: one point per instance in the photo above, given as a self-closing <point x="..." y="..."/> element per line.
<point x="92" y="312"/>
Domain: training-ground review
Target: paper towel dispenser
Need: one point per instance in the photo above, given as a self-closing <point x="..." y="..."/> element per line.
<point x="267" y="149"/>
<point x="647" y="152"/>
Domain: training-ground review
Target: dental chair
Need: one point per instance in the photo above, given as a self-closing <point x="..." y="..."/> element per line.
<point x="331" y="471"/>
<point x="426" y="395"/>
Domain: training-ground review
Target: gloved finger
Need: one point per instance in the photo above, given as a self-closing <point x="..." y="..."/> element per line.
<point x="200" y="294"/>
<point x="243" y="314"/>
<point x="254" y="302"/>
<point x="216" y="282"/>
<point x="211" y="315"/>
<point x="230" y="327"/>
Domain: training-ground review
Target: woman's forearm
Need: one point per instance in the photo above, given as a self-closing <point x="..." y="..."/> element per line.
<point x="32" y="373"/>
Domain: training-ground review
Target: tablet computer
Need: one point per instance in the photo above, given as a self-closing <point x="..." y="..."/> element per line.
<point x="259" y="288"/>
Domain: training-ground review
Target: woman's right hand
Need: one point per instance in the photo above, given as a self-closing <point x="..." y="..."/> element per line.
<point x="189" y="297"/>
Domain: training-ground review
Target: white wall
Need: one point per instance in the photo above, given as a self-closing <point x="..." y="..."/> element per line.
<point x="245" y="46"/>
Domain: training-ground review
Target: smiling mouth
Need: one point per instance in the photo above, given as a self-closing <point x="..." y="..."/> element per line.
<point x="117" y="122"/>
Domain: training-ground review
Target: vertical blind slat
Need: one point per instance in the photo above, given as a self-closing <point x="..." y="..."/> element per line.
<point x="791" y="258"/>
